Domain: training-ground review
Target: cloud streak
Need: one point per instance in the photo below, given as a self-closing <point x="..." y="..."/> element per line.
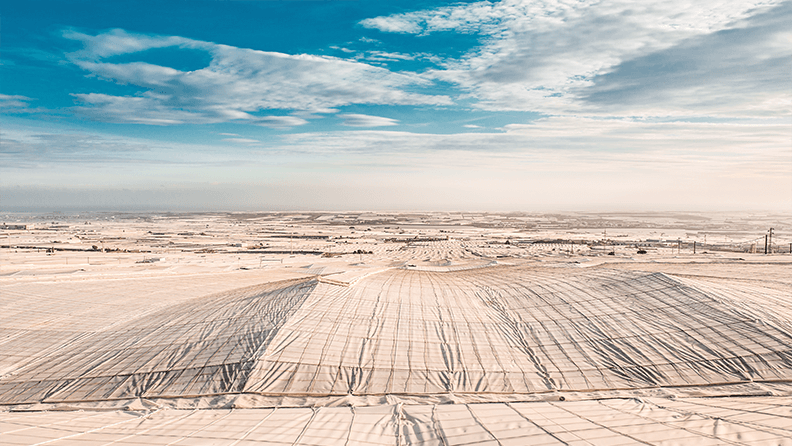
<point x="13" y="102"/>
<point x="279" y="122"/>
<point x="558" y="56"/>
<point x="743" y="70"/>
<point x="17" y="104"/>
<point x="237" y="83"/>
<point x="556" y="161"/>
<point x="358" y="120"/>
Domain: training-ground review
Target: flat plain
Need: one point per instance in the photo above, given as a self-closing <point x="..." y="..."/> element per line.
<point x="322" y="328"/>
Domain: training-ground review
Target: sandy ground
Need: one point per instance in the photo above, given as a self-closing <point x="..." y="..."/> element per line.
<point x="395" y="328"/>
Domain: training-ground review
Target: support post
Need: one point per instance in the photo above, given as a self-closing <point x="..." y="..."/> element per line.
<point x="765" y="243"/>
<point x="694" y="246"/>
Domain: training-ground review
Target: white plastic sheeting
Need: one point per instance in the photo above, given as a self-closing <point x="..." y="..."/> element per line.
<point x="275" y="362"/>
<point x="698" y="421"/>
<point x="500" y="330"/>
<point x="40" y="314"/>
<point x="202" y="348"/>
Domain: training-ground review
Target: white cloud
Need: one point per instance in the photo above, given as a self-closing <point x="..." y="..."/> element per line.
<point x="147" y="108"/>
<point x="26" y="148"/>
<point x="236" y="83"/>
<point x="7" y="101"/>
<point x="575" y="163"/>
<point x="392" y="24"/>
<point x="616" y="141"/>
<point x="471" y="126"/>
<point x="740" y="71"/>
<point x="548" y="55"/>
<point x="50" y="148"/>
<point x="564" y="162"/>
<point x="357" y="120"/>
<point x="385" y="56"/>
<point x="466" y="18"/>
<point x="118" y="41"/>
<point x="14" y="103"/>
<point x="279" y="122"/>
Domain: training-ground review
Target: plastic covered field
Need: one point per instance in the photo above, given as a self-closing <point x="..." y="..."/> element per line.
<point x="519" y="354"/>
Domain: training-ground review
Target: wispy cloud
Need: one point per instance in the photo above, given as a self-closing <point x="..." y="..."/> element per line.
<point x="614" y="141"/>
<point x="14" y="103"/>
<point x="474" y="17"/>
<point x="384" y="56"/>
<point x="279" y="122"/>
<point x="237" y="83"/>
<point x="742" y="70"/>
<point x="556" y="56"/>
<point x="357" y="120"/>
<point x="149" y="108"/>
<point x="31" y="148"/>
<point x="565" y="161"/>
<point x="340" y="48"/>
<point x="60" y="149"/>
<point x="397" y="24"/>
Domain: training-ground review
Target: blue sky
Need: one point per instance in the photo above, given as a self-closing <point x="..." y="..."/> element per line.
<point x="512" y="105"/>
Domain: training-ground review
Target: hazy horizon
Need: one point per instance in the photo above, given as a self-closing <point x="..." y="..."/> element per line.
<point x="428" y="105"/>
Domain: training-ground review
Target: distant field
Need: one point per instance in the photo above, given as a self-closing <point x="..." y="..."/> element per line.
<point x="394" y="329"/>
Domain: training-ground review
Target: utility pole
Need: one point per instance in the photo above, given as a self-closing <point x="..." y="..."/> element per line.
<point x="765" y="243"/>
<point x="694" y="246"/>
<point x="770" y="243"/>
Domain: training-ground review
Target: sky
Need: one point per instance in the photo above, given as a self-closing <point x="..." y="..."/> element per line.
<point x="543" y="105"/>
